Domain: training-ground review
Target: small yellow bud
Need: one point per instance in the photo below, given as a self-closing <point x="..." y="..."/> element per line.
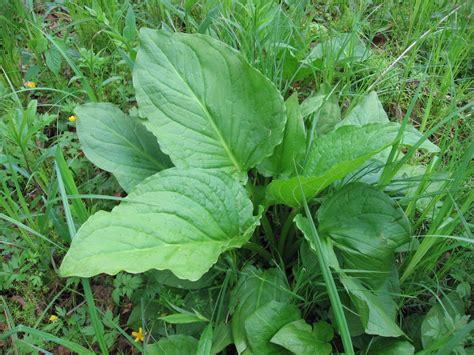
<point x="30" y="84"/>
<point x="53" y="318"/>
<point x="72" y="118"/>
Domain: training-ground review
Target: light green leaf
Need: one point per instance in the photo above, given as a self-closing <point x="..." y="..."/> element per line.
<point x="330" y="158"/>
<point x="342" y="47"/>
<point x="324" y="108"/>
<point x="262" y="325"/>
<point x="119" y="144"/>
<point x="180" y="220"/>
<point x="368" y="110"/>
<point x="254" y="289"/>
<point x="373" y="312"/>
<point x="366" y="226"/>
<point x="443" y="320"/>
<point x="130" y="29"/>
<point x="411" y="136"/>
<point x="291" y="150"/>
<point x="208" y="107"/>
<point x="374" y="308"/>
<point x="181" y="318"/>
<point x="53" y="59"/>
<point x="390" y="346"/>
<point x="205" y="341"/>
<point x="408" y="180"/>
<point x="174" y="345"/>
<point x="222" y="337"/>
<point x="301" y="339"/>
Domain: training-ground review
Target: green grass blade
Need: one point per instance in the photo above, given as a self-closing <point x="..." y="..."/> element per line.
<point x="329" y="282"/>
<point x="60" y="169"/>
<point x="428" y="243"/>
<point x="48" y="337"/>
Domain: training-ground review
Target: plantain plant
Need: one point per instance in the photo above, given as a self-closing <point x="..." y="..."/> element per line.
<point x="218" y="162"/>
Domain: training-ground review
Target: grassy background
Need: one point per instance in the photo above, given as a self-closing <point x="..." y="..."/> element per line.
<point x="420" y="64"/>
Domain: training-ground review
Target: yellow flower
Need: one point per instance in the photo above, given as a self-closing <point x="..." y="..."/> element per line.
<point x="138" y="335"/>
<point x="72" y="118"/>
<point x="53" y="318"/>
<point x="30" y="84"/>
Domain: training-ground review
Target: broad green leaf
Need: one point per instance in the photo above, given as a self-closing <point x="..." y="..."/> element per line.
<point x="262" y="325"/>
<point x="53" y="59"/>
<point x="411" y="136"/>
<point x="222" y="337"/>
<point x="130" y="29"/>
<point x="340" y="48"/>
<point x="292" y="148"/>
<point x="443" y="320"/>
<point x="179" y="220"/>
<point x="372" y="310"/>
<point x="368" y="110"/>
<point x="205" y="341"/>
<point x="301" y="339"/>
<point x="366" y="226"/>
<point x="119" y="144"/>
<point x="330" y="158"/>
<point x="181" y="318"/>
<point x="254" y="289"/>
<point x="166" y="277"/>
<point x="174" y="345"/>
<point x="375" y="311"/>
<point x="324" y="108"/>
<point x="408" y="180"/>
<point x="390" y="346"/>
<point x="208" y="107"/>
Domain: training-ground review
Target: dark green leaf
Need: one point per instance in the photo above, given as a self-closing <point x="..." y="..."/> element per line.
<point x="442" y="320"/>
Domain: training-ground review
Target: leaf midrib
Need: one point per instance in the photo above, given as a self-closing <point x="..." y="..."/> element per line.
<point x="206" y="112"/>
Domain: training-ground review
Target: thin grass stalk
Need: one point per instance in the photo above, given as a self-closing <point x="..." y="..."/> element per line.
<point x="96" y="323"/>
<point x="329" y="281"/>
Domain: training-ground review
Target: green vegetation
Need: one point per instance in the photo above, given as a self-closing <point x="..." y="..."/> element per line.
<point x="202" y="177"/>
